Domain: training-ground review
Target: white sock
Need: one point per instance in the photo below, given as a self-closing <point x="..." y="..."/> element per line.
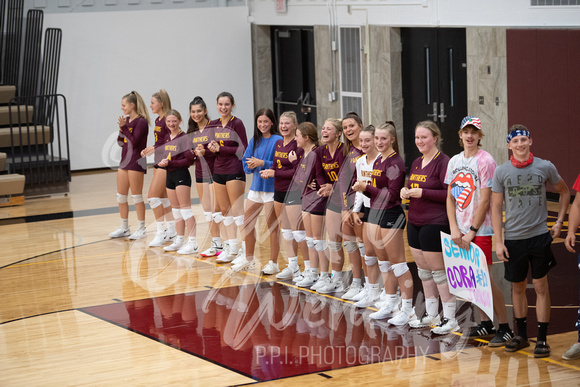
<point x="314" y="270"/>
<point x="449" y="310"/>
<point x="125" y="224"/>
<point x="191" y="240"/>
<point x="160" y="227"/>
<point x="293" y="261"/>
<point x="141" y="224"/>
<point x="432" y="306"/>
<point x="407" y="304"/>
<point x="233" y="246"/>
<point x="357" y="281"/>
<point x="170" y="226"/>
<point x="337" y="274"/>
<point x="306" y="265"/>
<point x="217" y="241"/>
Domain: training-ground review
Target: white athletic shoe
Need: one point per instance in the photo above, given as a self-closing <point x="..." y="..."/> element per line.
<point x="369" y="299"/>
<point x="425" y="321"/>
<point x="271" y="268"/>
<point x="189" y="248"/>
<point x="226" y="256"/>
<point x="239" y="259"/>
<point x="176" y="245"/>
<point x="159" y="240"/>
<point x="170" y="235"/>
<point x="384" y="300"/>
<point x="335" y="285"/>
<point x="120" y="233"/>
<point x="299" y="277"/>
<point x="245" y="266"/>
<point x="362" y="293"/>
<point x="403" y="317"/>
<point x="352" y="290"/>
<point x="322" y="280"/>
<point x="446" y="326"/>
<point x="386" y="311"/>
<point x="289" y="272"/>
<point x="212" y="251"/>
<point x="310" y="278"/>
<point x="139" y="234"/>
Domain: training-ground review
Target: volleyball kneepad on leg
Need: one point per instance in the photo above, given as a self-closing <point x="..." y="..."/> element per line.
<point x="334" y="246"/>
<point x="228" y="220"/>
<point x="310" y="242"/>
<point x="370" y="261"/>
<point x="176" y="213"/>
<point x="400" y="268"/>
<point x="287" y="234"/>
<point x="121" y="198"/>
<point x="350" y="246"/>
<point x="217" y="217"/>
<point x="239" y="220"/>
<point x="299" y="235"/>
<point x="361" y="247"/>
<point x="154" y="202"/>
<point x="320" y="245"/>
<point x="166" y="203"/>
<point x="137" y="198"/>
<point x="384" y="266"/>
<point x="439" y="276"/>
<point x="208" y="216"/>
<point x="186" y="213"/>
<point x="424" y="274"/>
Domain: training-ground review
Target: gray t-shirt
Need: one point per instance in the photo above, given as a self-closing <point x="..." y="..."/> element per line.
<point x="524" y="189"/>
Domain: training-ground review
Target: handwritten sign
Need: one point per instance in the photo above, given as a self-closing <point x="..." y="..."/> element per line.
<point x="467" y="274"/>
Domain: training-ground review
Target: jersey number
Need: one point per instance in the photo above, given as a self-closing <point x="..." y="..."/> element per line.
<point x="415" y="185"/>
<point x="333" y="176"/>
<point x="222" y="143"/>
<point x="279" y="163"/>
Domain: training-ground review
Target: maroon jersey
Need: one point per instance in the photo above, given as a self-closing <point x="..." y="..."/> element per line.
<point x="386" y="183"/>
<point x="232" y="140"/>
<point x="305" y="174"/>
<point x="133" y="139"/>
<point x="347" y="177"/>
<point x="204" y="165"/>
<point x="284" y="169"/>
<point x="430" y="207"/>
<point x="328" y="170"/>
<point x="160" y="132"/>
<point x="178" y="152"/>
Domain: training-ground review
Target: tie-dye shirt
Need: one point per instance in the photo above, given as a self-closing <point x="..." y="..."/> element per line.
<point x="466" y="176"/>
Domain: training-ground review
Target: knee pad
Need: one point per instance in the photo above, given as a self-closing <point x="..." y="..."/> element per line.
<point x="320" y="245"/>
<point x="287" y="234"/>
<point x="137" y="198"/>
<point x="121" y="198"/>
<point x="176" y="213"/>
<point x="370" y="261"/>
<point x="384" y="266"/>
<point x="239" y="220"/>
<point x="207" y="216"/>
<point x="400" y="268"/>
<point x="361" y="248"/>
<point x="310" y="242"/>
<point x="299" y="235"/>
<point x="439" y="276"/>
<point x="334" y="246"/>
<point x="350" y="246"/>
<point x="217" y="217"/>
<point x="186" y="213"/>
<point x="425" y="275"/>
<point x="154" y="202"/>
<point x="228" y="220"/>
<point x="166" y="203"/>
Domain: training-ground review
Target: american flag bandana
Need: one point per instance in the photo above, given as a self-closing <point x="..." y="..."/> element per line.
<point x="517" y="132"/>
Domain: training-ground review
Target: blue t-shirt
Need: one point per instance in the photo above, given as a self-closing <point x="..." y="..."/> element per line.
<point x="264" y="151"/>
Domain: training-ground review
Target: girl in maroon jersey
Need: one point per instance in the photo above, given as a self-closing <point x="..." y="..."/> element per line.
<point x="177" y="157"/>
<point x="386" y="223"/>
<point x="229" y="143"/>
<point x="287" y="203"/>
<point x="313" y="205"/>
<point x="133" y="131"/>
<point x="368" y="295"/>
<point x="158" y="201"/>
<point x="331" y="159"/>
<point x="200" y="130"/>
<point x="427" y="194"/>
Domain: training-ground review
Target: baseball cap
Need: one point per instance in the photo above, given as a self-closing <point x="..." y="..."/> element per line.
<point x="471" y="120"/>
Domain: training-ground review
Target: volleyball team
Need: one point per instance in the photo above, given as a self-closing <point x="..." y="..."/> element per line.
<point x="339" y="191"/>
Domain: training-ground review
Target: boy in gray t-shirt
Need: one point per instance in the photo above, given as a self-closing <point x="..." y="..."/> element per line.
<point x="521" y="184"/>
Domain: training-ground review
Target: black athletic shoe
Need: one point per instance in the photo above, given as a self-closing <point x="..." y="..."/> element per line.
<point x="481" y="331"/>
<point x="501" y="338"/>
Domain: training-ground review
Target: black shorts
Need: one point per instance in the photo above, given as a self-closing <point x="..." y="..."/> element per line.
<point x="427" y="237"/>
<point x="535" y="252"/>
<point x="365" y="211"/>
<point x="333" y="207"/>
<point x="178" y="177"/>
<point x="200" y="180"/>
<point x="224" y="178"/>
<point x="389" y="218"/>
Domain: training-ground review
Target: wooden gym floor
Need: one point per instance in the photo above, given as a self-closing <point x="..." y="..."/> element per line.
<point x="79" y="308"/>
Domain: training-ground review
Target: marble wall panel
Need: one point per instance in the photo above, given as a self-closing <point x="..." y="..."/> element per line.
<point x="322" y="63"/>
<point x="262" y="67"/>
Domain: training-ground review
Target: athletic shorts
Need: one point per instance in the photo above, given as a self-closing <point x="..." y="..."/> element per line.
<point x="484" y="243"/>
<point x="427" y="237"/>
<point x="178" y="177"/>
<point x="224" y="178"/>
<point x="200" y="180"/>
<point x="158" y="167"/>
<point x="391" y="218"/>
<point x="365" y="211"/>
<point x="535" y="252"/>
<point x="261" y="196"/>
<point x="333" y="206"/>
<point x="293" y="198"/>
